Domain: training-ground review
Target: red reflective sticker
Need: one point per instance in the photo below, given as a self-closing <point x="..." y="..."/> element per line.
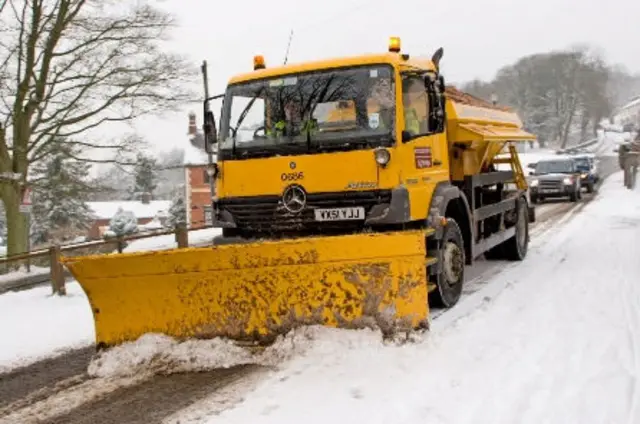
<point x="423" y="157"/>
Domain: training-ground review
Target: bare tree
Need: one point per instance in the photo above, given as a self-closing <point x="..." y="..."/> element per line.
<point x="70" y="66"/>
<point x="558" y="94"/>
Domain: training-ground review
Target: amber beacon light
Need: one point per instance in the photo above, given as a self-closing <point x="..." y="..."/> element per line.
<point x="258" y="62"/>
<point x="394" y="44"/>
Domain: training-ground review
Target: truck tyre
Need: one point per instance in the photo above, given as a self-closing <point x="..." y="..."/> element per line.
<point x="450" y="277"/>
<point x="515" y="249"/>
<point x="590" y="188"/>
<point x="535" y="200"/>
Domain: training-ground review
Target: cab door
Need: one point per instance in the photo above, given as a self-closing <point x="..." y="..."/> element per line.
<point x="425" y="157"/>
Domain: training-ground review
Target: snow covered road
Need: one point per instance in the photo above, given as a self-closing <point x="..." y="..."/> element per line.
<point x="558" y="343"/>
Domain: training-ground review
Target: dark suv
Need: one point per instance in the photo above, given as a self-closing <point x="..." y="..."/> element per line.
<point x="553" y="178"/>
<point x="588" y="174"/>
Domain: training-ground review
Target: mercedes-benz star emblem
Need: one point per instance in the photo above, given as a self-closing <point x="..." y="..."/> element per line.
<point x="294" y="199"/>
<point x="292" y="165"/>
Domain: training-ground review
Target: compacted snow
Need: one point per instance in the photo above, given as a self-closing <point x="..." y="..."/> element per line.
<point x="34" y="324"/>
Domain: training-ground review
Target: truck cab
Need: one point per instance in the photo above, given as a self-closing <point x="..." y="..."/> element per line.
<point x="325" y="146"/>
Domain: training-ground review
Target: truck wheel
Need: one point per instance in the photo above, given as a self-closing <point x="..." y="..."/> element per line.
<point x="451" y="257"/>
<point x="535" y="200"/>
<point x="515" y="249"/>
<point x="590" y="188"/>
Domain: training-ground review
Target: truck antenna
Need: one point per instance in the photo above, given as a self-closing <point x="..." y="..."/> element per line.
<point x="286" y="55"/>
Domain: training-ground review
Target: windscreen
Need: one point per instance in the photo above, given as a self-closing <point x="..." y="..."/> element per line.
<point x="553" y="167"/>
<point x="341" y="107"/>
<point x="583" y="164"/>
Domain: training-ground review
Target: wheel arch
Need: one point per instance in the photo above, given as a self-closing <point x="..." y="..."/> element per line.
<point x="449" y="201"/>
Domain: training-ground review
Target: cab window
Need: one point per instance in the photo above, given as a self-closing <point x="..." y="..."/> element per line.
<point x="416" y="105"/>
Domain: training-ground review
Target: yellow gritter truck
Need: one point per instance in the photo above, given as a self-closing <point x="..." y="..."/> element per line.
<point x="350" y="193"/>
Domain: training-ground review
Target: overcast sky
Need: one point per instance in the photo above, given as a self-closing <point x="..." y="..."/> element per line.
<point x="478" y="36"/>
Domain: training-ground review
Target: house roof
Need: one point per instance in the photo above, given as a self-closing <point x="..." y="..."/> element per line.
<point x="106" y="210"/>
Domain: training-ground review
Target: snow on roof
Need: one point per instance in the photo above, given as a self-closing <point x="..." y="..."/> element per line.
<point x="194" y="156"/>
<point x="106" y="210"/>
<point x="194" y="153"/>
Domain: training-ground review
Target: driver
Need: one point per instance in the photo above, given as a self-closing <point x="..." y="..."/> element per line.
<point x="382" y="97"/>
<point x="292" y="121"/>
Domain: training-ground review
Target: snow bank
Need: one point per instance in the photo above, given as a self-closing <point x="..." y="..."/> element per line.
<point x="159" y="354"/>
<point x="559" y="344"/>
<point x="34" y="324"/>
<point x="196" y="238"/>
<point x="611" y="142"/>
<point x="107" y="210"/>
<point x="22" y="273"/>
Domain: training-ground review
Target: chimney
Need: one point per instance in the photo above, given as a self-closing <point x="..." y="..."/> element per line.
<point x="145" y="198"/>
<point x="193" y="128"/>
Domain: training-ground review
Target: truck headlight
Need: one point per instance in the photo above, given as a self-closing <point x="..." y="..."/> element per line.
<point x="382" y="156"/>
<point x="584" y="175"/>
<point x="568" y="181"/>
<point x="534" y="183"/>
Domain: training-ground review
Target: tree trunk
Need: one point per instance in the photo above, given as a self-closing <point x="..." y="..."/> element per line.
<point x="584" y="127"/>
<point x="16" y="221"/>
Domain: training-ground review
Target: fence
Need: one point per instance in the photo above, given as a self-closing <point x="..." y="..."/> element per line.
<point x="52" y="254"/>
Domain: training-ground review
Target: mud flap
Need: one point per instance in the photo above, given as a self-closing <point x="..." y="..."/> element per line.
<point x="257" y="291"/>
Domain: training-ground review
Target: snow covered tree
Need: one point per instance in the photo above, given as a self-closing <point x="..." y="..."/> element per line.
<point x="60" y="193"/>
<point x="561" y="96"/>
<point x="145" y="175"/>
<point x="177" y="213"/>
<point x="123" y="223"/>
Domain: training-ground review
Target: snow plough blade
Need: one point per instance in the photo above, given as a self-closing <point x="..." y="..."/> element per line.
<point x="256" y="291"/>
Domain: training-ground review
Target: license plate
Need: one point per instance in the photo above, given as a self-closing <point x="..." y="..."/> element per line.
<point x="339" y="214"/>
<point x="549" y="190"/>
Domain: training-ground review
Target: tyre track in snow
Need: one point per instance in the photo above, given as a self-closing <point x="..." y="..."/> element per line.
<point x="151" y="400"/>
<point x="154" y="399"/>
<point x="41" y="379"/>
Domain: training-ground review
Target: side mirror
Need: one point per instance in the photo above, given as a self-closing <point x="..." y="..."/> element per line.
<point x="210" y="132"/>
<point x="406" y="136"/>
<point x="532" y="172"/>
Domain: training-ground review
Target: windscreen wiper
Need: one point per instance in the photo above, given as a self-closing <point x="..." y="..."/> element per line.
<point x="243" y="115"/>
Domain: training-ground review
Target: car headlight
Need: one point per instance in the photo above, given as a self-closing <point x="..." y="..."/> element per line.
<point x="534" y="183"/>
<point x="584" y="175"/>
<point x="382" y="156"/>
<point x="568" y="180"/>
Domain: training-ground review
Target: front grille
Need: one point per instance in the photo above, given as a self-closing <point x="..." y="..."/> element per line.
<point x="551" y="185"/>
<point x="265" y="213"/>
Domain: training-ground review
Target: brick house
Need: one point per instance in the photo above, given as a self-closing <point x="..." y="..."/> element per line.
<point x="145" y="210"/>
<point x="197" y="189"/>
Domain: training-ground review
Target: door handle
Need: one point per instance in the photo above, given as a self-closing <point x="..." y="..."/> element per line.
<point x="437" y="162"/>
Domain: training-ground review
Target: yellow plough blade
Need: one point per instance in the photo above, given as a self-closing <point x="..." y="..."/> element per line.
<point x="257" y="291"/>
